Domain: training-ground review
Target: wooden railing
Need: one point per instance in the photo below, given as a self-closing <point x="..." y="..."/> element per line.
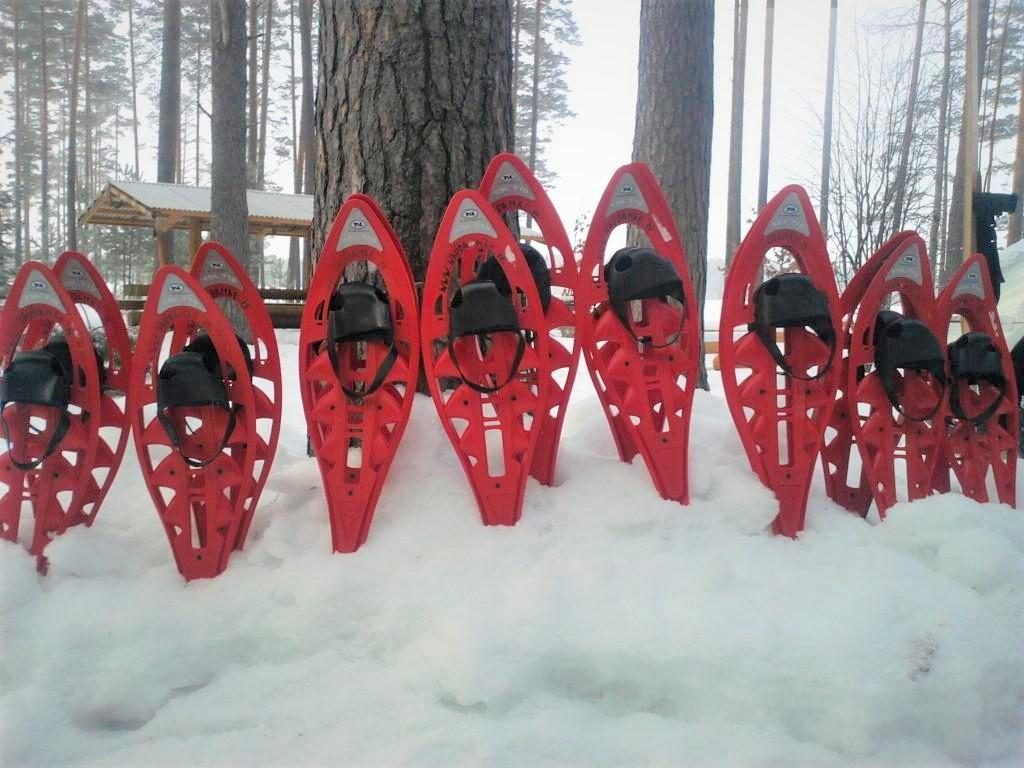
<point x="283" y="304"/>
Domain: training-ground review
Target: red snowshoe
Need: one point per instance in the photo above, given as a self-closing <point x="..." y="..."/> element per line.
<point x="781" y="401"/>
<point x="224" y="279"/>
<point x="358" y="359"/>
<point x="485" y="353"/>
<point x="52" y="408"/>
<point x="639" y="329"/>
<point x="896" y="378"/>
<point x="510" y="187"/>
<point x="982" y="427"/>
<point x="193" y="411"/>
<point x="838" y="450"/>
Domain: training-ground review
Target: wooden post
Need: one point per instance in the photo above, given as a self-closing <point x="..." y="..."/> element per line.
<point x="970" y="127"/>
<point x="195" y="239"/>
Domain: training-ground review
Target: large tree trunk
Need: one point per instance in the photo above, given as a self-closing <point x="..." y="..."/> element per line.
<point x="826" y="144"/>
<point x="942" y="150"/>
<point x="306" y="128"/>
<point x="252" y="124"/>
<point x="169" y="130"/>
<point x="18" y="129"/>
<point x="908" y="127"/>
<point x="766" y="104"/>
<point x="294" y="257"/>
<point x="71" y="227"/>
<point x="739" y="67"/>
<point x="999" y="88"/>
<point x="44" y="132"/>
<point x="229" y="206"/>
<point x="674" y="116"/>
<point x="954" y="255"/>
<point x="1017" y="217"/>
<point x="135" y="87"/>
<point x="413" y="101"/>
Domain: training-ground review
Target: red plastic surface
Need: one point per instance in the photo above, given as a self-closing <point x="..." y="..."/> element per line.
<point x="882" y="435"/>
<point x="838" y="449"/>
<point x="64" y="489"/>
<point x="781" y="420"/>
<point x="510" y="187"/>
<point x="219" y="272"/>
<point x="202" y="509"/>
<point x="494" y="434"/>
<point x="975" y="453"/>
<point x="355" y="441"/>
<point x="646" y="390"/>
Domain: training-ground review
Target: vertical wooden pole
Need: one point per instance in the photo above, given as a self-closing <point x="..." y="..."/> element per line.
<point x="970" y="127"/>
<point x="766" y="104"/>
<point x="195" y="239"/>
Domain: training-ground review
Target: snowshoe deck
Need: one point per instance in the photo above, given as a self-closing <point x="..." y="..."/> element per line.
<point x="838" y="449"/>
<point x="898" y="417"/>
<point x="983" y="424"/>
<point x="780" y="401"/>
<point x="359" y="360"/>
<point x="485" y="353"/>
<point x="52" y="411"/>
<point x="224" y="279"/>
<point x="641" y="349"/>
<point x="201" y="479"/>
<point x="510" y="187"/>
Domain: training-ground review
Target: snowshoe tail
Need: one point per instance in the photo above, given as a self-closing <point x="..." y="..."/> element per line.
<point x="51" y="412"/>
<point x="193" y="414"/>
<point x="838" y="450"/>
<point x="224" y="279"/>
<point x="983" y="424"/>
<point x="510" y="187"/>
<point x="359" y="361"/>
<point x="896" y="378"/>
<point x="781" y="398"/>
<point x="485" y="353"/>
<point x="639" y="329"/>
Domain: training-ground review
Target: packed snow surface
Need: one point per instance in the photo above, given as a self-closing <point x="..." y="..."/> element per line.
<point x="608" y="628"/>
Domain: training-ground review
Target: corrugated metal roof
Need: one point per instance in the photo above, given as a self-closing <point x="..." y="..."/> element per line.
<point x="178" y="197"/>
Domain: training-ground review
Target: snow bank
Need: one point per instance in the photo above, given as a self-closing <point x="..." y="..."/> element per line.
<point x="608" y="628"/>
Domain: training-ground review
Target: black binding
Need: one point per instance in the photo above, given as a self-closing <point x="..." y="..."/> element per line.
<point x="791" y="300"/>
<point x="633" y="274"/>
<point x="973" y="359"/>
<point x="189" y="379"/>
<point x="478" y="308"/>
<point x="360" y="312"/>
<point x="39" y="377"/>
<point x="491" y="270"/>
<point x="902" y="342"/>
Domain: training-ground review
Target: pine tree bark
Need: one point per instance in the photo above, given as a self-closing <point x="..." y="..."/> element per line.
<point x="135" y="85"/>
<point x="674" y="117"/>
<point x="306" y="127"/>
<point x="766" y="104"/>
<point x="942" y="151"/>
<point x="908" y="127"/>
<point x="229" y="206"/>
<point x="826" y="145"/>
<point x="44" y="135"/>
<point x="413" y="101"/>
<point x="739" y="66"/>
<point x="1014" y="233"/>
<point x="294" y="257"/>
<point x="252" y="124"/>
<point x="71" y="225"/>
<point x="954" y="251"/>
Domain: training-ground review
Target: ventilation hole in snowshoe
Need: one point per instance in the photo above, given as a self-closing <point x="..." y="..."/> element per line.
<point x="634" y="420"/>
<point x="494" y="441"/>
<point x="100" y="474"/>
<point x="488" y="410"/>
<point x="556" y="259"/>
<point x="111" y="436"/>
<point x="783" y="439"/>
<point x="71" y="457"/>
<point x="64" y="499"/>
<point x="354" y="454"/>
<point x="527" y="421"/>
<point x="460" y="425"/>
<point x="166" y="494"/>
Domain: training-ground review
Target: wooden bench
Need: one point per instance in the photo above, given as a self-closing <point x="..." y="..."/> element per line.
<point x="284" y="305"/>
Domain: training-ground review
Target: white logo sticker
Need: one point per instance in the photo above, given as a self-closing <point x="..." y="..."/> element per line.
<point x="39" y="284"/>
<point x="470" y="213"/>
<point x="357" y="224"/>
<point x="627" y="189"/>
<point x="175" y="287"/>
<point x="508" y="177"/>
<point x="791" y="209"/>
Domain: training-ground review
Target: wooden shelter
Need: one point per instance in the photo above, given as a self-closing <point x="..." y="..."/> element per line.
<point x="165" y="207"/>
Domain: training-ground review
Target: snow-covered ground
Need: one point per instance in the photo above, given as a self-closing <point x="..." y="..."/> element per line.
<point x="608" y="628"/>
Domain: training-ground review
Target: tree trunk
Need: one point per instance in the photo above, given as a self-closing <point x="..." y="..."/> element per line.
<point x="826" y="145"/>
<point x="942" y="151"/>
<point x="261" y="160"/>
<point x="135" y="88"/>
<point x="517" y="26"/>
<point x="88" y="109"/>
<point x="306" y="128"/>
<point x="18" y="130"/>
<point x="71" y="227"/>
<point x="229" y="206"/>
<point x="294" y="257"/>
<point x="252" y="124"/>
<point x="908" y="128"/>
<point x="1014" y="233"/>
<point x="739" y="66"/>
<point x="766" y="104"/>
<point x="674" y="117"/>
<point x="199" y="112"/>
<point x="44" y="134"/>
<point x="999" y="88"/>
<point x="170" y="110"/>
<point x="413" y="102"/>
<point x="538" y="11"/>
<point x="954" y="255"/>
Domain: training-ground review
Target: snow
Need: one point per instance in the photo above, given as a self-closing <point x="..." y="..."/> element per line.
<point x="608" y="628"/>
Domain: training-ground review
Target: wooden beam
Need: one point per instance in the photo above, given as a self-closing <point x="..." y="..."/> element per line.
<point x="195" y="239"/>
